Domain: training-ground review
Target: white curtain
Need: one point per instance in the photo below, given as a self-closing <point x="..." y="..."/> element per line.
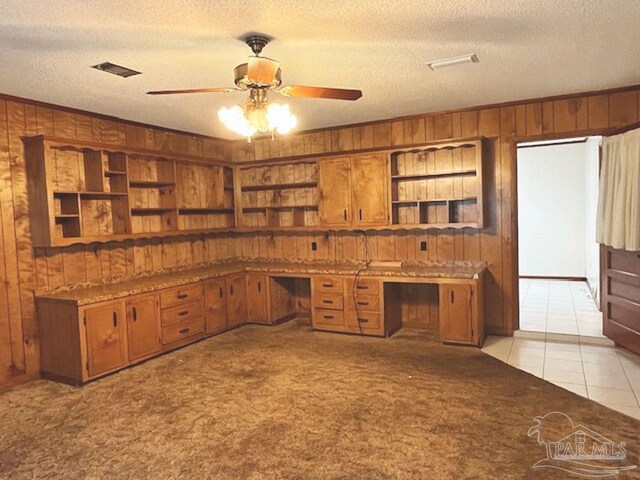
<point x="618" y="220"/>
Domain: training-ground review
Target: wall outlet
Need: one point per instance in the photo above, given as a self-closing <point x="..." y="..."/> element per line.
<point x="423" y="246"/>
<point x="314" y="246"/>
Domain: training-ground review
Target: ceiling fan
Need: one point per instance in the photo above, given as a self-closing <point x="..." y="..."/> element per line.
<point x="259" y="76"/>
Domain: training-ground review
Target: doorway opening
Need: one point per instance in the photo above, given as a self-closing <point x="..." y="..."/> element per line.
<point x="559" y="259"/>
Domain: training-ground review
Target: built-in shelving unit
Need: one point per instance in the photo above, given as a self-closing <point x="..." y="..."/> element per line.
<point x="438" y="186"/>
<point x="284" y="195"/>
<point x="85" y="193"/>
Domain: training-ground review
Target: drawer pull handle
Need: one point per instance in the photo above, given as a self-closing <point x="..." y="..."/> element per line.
<point x="183" y="313"/>
<point x="329" y="317"/>
<point x="135" y="314"/>
<point x="362" y="287"/>
<point x="363" y="320"/>
<point x="345" y="215"/>
<point x="360" y="214"/>
<point x="182" y="295"/>
<point x="259" y="287"/>
<point x="231" y="289"/>
<point x="220" y="292"/>
<point x="115" y="319"/>
<point x="327" y="285"/>
<point x="363" y="303"/>
<point x="452" y="297"/>
<point x="184" y="331"/>
<point x="328" y="302"/>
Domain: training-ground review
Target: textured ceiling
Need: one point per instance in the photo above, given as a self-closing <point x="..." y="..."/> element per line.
<point x="526" y="49"/>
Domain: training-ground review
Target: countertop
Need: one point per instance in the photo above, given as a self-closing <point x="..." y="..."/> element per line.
<point x="88" y="294"/>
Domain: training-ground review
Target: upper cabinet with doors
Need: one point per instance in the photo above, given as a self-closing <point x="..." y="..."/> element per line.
<point x="369" y="179"/>
<point x="334" y="191"/>
<point x="354" y="191"/>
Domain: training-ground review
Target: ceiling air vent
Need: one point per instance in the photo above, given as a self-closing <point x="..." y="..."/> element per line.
<point x="116" y="69"/>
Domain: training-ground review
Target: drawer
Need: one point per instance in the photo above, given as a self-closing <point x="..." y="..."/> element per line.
<point x="181" y="330"/>
<point x="366" y="320"/>
<point x="324" y="317"/>
<point x="177" y="296"/>
<point x="182" y="313"/>
<point x="366" y="286"/>
<point x="328" y="300"/>
<point x="367" y="303"/>
<point x="328" y="284"/>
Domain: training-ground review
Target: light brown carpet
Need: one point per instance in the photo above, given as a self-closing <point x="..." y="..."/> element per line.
<point x="287" y="402"/>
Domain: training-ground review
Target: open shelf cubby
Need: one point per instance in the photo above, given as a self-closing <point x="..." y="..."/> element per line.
<point x="439" y="186"/>
<point x="86" y="192"/>
<point x="280" y="195"/>
<point x="206" y="198"/>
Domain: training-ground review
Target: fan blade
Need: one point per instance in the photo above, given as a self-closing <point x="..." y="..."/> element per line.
<point x="194" y="90"/>
<point x="320" y="92"/>
<point x="262" y="70"/>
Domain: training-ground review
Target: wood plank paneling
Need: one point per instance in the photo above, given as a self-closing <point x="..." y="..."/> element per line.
<point x="23" y="269"/>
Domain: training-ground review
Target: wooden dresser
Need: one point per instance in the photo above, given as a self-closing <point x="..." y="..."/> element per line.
<point x="621" y="298"/>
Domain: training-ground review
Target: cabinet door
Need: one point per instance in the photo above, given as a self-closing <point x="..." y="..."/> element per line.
<point x="143" y="327"/>
<point x="215" y="295"/>
<point x="257" y="301"/>
<point x="106" y="342"/>
<point x="456" y="313"/>
<point x="236" y="299"/>
<point x="334" y="191"/>
<point x="369" y="177"/>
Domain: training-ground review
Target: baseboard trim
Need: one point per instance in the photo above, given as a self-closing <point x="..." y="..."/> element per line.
<point x="547" y="277"/>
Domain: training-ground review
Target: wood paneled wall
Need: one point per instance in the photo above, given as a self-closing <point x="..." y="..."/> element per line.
<point x="23" y="269"/>
<point x="503" y="125"/>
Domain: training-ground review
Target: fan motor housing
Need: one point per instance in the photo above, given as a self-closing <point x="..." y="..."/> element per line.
<point x="243" y="81"/>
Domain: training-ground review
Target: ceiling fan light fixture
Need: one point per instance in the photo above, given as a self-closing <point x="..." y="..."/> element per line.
<point x="448" y="62"/>
<point x="258" y="118"/>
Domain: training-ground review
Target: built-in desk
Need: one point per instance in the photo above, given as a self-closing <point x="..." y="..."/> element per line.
<point x="90" y="331"/>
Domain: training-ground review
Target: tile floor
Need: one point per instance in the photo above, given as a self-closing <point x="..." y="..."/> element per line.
<point x="604" y="373"/>
<point x="559" y="307"/>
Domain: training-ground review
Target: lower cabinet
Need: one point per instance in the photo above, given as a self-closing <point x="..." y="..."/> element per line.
<point x="460" y="314"/>
<point x="106" y="338"/>
<point x="215" y="300"/>
<point x="143" y="327"/>
<point x="257" y="298"/>
<point x="236" y="299"/>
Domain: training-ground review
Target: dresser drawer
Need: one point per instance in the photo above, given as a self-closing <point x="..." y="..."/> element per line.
<point x="182" y="313"/>
<point x="181" y="330"/>
<point x="367" y="303"/>
<point x="178" y="296"/>
<point x="328" y="318"/>
<point x="365" y="320"/>
<point x="328" y="300"/>
<point x="328" y="284"/>
<point x="366" y="286"/>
